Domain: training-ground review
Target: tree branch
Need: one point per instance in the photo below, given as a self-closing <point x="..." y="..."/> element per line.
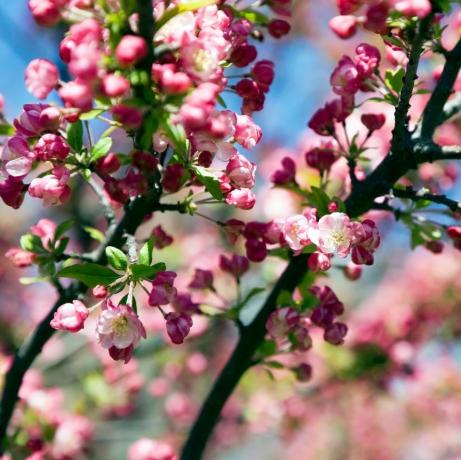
<point x="413" y="195"/>
<point x="433" y="114"/>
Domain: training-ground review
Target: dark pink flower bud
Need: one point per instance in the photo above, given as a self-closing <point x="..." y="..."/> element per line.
<point x="242" y="198"/>
<point x="130" y="50"/>
<point x="285" y="175"/>
<point x="344" y="26"/>
<point x="163" y="291"/>
<point x="161" y="238"/>
<point x="241" y="171"/>
<point x="436" y="247"/>
<point x="203" y="279"/>
<point x="129" y="117"/>
<point x="373" y="121"/>
<point x="20" y="258"/>
<point x="100" y="291"/>
<point x="144" y="161"/>
<point x="328" y="299"/>
<point x="236" y="266"/>
<point x="12" y="192"/>
<point x="348" y="6"/>
<point x="45" y="12"/>
<point x="233" y="229"/>
<point x="248" y="89"/>
<point x="70" y="317"/>
<point x="173" y="177"/>
<point x="318" y="261"/>
<point x="114" y="85"/>
<point x="362" y="256"/>
<point x="28" y="123"/>
<point x="346" y="78"/>
<point x="376" y="17"/>
<point x="303" y="372"/>
<point x="41" y="77"/>
<point x="282" y="321"/>
<point x="52" y="188"/>
<point x="242" y="55"/>
<point x="278" y="28"/>
<point x="183" y="303"/>
<point x="247" y="132"/>
<point x="300" y="338"/>
<point x="335" y="333"/>
<point x="205" y="159"/>
<point x="108" y="164"/>
<point x="51" y="147"/>
<point x="256" y="250"/>
<point x="121" y="354"/>
<point x="178" y="326"/>
<point x="322" y="316"/>
<point x="263" y="73"/>
<point x="321" y="158"/>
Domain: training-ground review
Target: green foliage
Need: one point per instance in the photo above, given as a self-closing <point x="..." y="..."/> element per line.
<point x="90" y="274"/>
<point x="116" y="258"/>
<point x="209" y="180"/>
<point x="75" y="135"/>
<point x="101" y="148"/>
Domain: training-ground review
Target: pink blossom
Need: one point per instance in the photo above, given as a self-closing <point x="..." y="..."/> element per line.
<point x="70" y="317"/>
<point x="84" y="61"/>
<point x="344" y="26"/>
<point x="45" y="12"/>
<point x="169" y="80"/>
<point x="163" y="291"/>
<point x="50" y="118"/>
<point x="86" y="31"/>
<point x="77" y="94"/>
<point x="376" y="16"/>
<point x="53" y="188"/>
<point x="200" y="60"/>
<point x="318" y="261"/>
<point x="51" y="147"/>
<point x="45" y="229"/>
<point x="333" y="234"/>
<point x="366" y="242"/>
<point x="247" y="133"/>
<point x="322" y="156"/>
<point x="241" y="171"/>
<point x="352" y="271"/>
<point x="295" y="230"/>
<point x="178" y="326"/>
<point x="70" y="437"/>
<point x="32" y="121"/>
<point x="328" y="299"/>
<point x="108" y="164"/>
<point x="129" y="117"/>
<point x="131" y="49"/>
<point x="367" y="59"/>
<point x="20" y="258"/>
<point x="282" y="321"/>
<point x="148" y="449"/>
<point x="324" y="119"/>
<point x="242" y="198"/>
<point x="41" y="77"/>
<point x="301" y="338"/>
<point x="345" y="78"/>
<point x="16" y="157"/>
<point x="100" y="291"/>
<point x="419" y="8"/>
<point x="114" y="85"/>
<point x="119" y="330"/>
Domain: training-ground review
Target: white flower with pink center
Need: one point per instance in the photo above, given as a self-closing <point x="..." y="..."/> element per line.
<point x="119" y="327"/>
<point x="333" y="234"/>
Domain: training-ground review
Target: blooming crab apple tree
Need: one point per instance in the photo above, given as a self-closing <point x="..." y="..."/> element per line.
<point x="155" y="76"/>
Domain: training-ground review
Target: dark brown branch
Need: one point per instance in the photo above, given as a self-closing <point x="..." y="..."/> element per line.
<point x="413" y="195"/>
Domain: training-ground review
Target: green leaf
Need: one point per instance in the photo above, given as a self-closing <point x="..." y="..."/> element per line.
<point x="284" y="298"/>
<point x="62" y="228"/>
<point x="116" y="258"/>
<point x="90" y="274"/>
<point x="274" y="364"/>
<point x="32" y="243"/>
<point x="319" y="199"/>
<point x="101" y="148"/>
<point x="95" y="233"/>
<point x="209" y="180"/>
<point x="6" y="130"/>
<point x="250" y="15"/>
<point x="145" y="254"/>
<point x="181" y="8"/>
<point x="394" y="79"/>
<point x="146" y="272"/>
<point x="92" y="114"/>
<point x="75" y="135"/>
<point x="177" y="136"/>
<point x="267" y="348"/>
